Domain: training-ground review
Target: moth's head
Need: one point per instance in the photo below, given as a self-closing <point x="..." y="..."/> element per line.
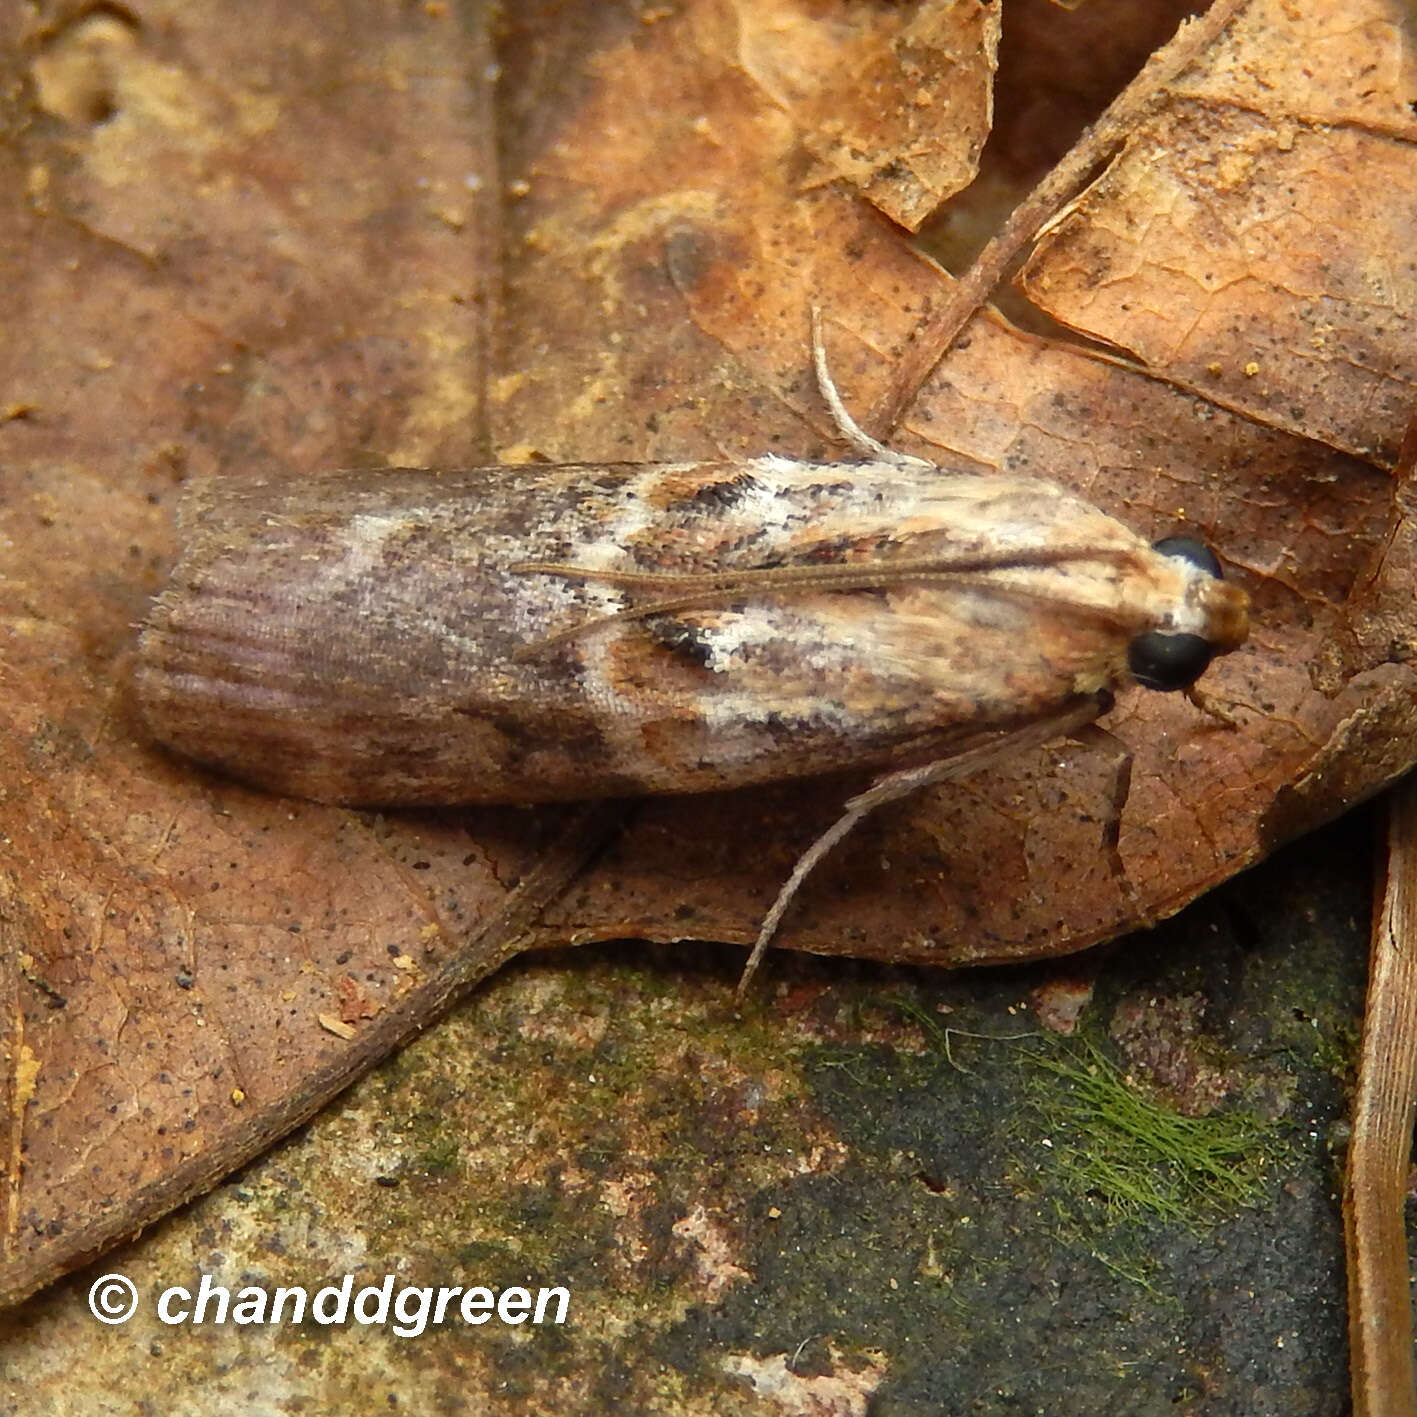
<point x="1212" y="617"/>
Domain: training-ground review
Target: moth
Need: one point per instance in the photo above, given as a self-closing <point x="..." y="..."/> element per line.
<point x="544" y="633"/>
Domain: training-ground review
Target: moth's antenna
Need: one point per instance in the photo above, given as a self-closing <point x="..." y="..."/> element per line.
<point x="846" y="425"/>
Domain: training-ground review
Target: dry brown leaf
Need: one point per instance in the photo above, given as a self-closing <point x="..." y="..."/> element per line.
<point x="1229" y="247"/>
<point x="218" y="258"/>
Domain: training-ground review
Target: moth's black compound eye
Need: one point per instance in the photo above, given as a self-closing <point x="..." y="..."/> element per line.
<point x="1187" y="548"/>
<point x="1168" y="662"/>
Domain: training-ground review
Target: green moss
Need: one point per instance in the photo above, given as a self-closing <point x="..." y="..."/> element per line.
<point x="1122" y="1156"/>
<point x="440" y="1157"/>
<point x="1336" y="1050"/>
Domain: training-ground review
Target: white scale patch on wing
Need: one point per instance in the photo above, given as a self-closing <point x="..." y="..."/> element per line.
<point x="364" y="546"/>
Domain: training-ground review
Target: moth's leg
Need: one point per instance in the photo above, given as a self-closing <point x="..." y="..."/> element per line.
<point x="1221" y="710"/>
<point x="846" y="425"/>
<point x="903" y="783"/>
<point x="1095" y="736"/>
